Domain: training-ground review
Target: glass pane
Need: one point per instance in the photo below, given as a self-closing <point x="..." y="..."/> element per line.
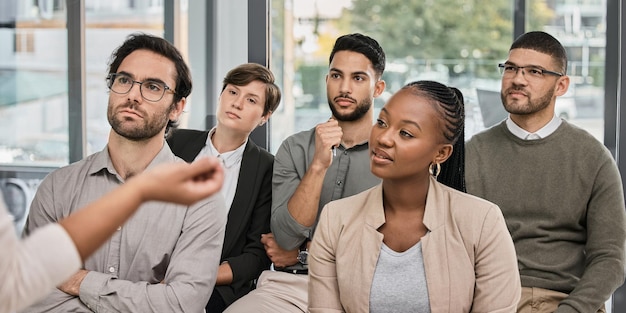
<point x="33" y="83"/>
<point x="423" y="40"/>
<point x="580" y="25"/>
<point x="108" y="23"/>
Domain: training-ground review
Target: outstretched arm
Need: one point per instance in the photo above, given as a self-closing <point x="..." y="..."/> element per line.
<point x="38" y="263"/>
<point x="90" y="227"/>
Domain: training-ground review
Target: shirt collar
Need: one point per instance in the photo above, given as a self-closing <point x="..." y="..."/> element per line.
<point x="544" y="132"/>
<point x="229" y="158"/>
<point x="102" y="160"/>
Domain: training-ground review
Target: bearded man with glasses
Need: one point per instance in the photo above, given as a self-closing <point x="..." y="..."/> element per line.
<point x="558" y="187"/>
<point x="165" y="258"/>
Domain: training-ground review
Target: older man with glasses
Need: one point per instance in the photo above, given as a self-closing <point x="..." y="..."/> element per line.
<point x="558" y="187"/>
<point x="165" y="258"/>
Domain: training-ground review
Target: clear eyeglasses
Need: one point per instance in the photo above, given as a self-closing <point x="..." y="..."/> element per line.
<point x="532" y="72"/>
<point x="151" y="90"/>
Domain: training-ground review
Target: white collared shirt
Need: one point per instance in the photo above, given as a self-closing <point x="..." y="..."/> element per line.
<point x="231" y="161"/>
<point x="544" y="132"/>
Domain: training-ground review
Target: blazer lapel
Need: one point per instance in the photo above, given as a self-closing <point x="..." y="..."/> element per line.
<point x="187" y="145"/>
<point x="434" y="249"/>
<point x="372" y="240"/>
<point x="241" y="202"/>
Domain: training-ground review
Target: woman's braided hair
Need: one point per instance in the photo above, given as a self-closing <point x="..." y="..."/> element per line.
<point x="448" y="101"/>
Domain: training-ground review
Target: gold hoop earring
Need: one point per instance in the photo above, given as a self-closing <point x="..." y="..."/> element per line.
<point x="434" y="169"/>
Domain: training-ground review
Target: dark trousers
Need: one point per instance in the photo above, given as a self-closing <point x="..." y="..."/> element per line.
<point x="216" y="303"/>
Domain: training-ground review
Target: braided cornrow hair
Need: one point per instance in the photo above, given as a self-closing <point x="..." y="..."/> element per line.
<point x="449" y="103"/>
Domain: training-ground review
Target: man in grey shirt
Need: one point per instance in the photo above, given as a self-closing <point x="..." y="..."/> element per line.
<point x="165" y="258"/>
<point x="314" y="167"/>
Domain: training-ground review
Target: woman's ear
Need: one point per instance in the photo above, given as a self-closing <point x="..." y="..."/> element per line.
<point x="265" y="118"/>
<point x="444" y="152"/>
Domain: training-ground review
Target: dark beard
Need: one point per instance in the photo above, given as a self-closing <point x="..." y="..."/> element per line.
<point x="362" y="108"/>
<point x="150" y="129"/>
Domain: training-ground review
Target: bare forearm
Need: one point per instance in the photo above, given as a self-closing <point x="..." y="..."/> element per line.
<point x="304" y="203"/>
<point x="224" y="274"/>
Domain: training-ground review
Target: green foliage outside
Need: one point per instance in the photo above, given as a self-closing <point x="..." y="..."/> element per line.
<point x="469" y="37"/>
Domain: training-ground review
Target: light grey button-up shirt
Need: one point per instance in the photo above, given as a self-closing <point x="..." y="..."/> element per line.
<point x="348" y="175"/>
<point x="163" y="259"/>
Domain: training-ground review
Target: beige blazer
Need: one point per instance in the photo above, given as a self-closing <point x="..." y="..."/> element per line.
<point x="469" y="257"/>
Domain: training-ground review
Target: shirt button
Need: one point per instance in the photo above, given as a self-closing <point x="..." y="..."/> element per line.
<point x="345" y="152"/>
<point x="111" y="269"/>
<point x="119" y="228"/>
<point x="338" y="183"/>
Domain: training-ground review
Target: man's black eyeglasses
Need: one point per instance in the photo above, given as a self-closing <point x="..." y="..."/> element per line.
<point x="509" y="71"/>
<point x="151" y="90"/>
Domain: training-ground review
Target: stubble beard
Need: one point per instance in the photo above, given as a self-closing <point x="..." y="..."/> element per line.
<point x="532" y="107"/>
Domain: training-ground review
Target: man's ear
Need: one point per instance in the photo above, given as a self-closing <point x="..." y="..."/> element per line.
<point x="561" y="86"/>
<point x="177" y="109"/>
<point x="379" y="87"/>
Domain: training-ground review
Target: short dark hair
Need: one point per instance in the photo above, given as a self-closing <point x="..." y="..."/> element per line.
<point x="544" y="43"/>
<point x="158" y="45"/>
<point x="364" y="45"/>
<point x="140" y="41"/>
<point x="448" y="101"/>
<point x="249" y="72"/>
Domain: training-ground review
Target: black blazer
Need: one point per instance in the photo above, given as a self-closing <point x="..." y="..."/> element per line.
<point x="249" y="215"/>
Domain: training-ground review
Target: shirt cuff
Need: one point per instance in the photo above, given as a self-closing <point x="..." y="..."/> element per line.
<point x="91" y="287"/>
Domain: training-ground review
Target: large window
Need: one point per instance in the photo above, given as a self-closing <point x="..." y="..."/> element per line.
<point x="458" y="43"/>
<point x="580" y="25"/>
<point x="33" y="71"/>
<point x="33" y="83"/>
<point x="108" y="23"/>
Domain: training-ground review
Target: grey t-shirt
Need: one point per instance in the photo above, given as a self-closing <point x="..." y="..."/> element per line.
<point x="399" y="283"/>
